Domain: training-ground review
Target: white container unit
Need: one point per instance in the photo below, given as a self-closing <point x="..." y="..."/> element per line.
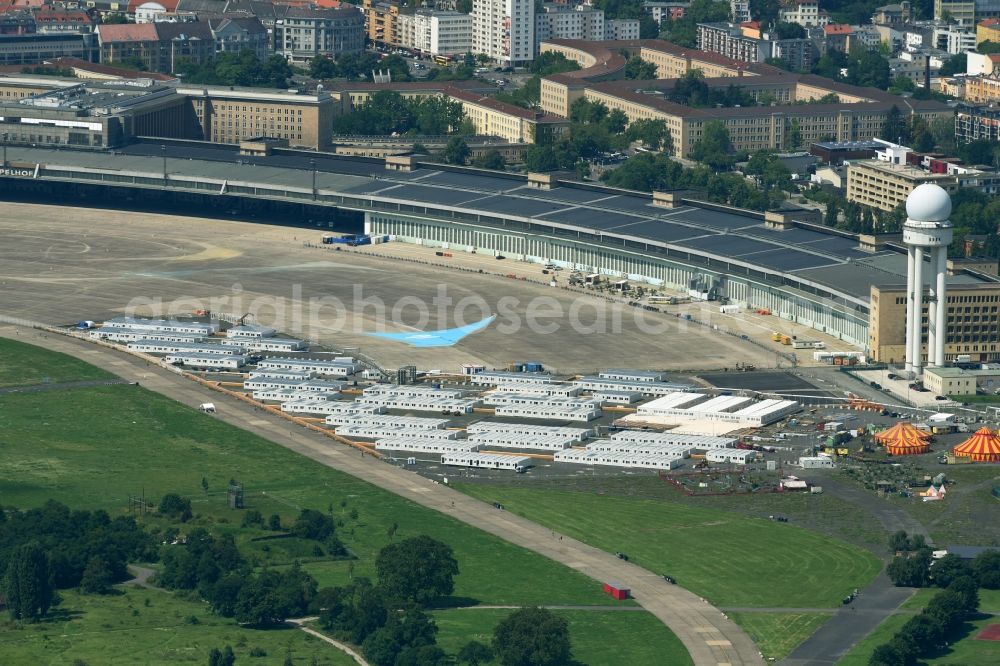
<point x="486" y="460"/>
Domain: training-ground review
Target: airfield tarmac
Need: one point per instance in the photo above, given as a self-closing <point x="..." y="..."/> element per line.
<point x="59" y="265"/>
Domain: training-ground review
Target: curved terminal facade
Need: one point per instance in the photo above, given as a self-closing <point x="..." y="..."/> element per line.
<point x="796" y="270"/>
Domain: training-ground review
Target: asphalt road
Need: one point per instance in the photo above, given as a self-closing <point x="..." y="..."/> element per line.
<point x="709" y="636"/>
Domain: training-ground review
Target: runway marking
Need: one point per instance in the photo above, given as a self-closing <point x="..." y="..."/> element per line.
<point x="416" y="489"/>
<point x="719" y="643"/>
<point x="259" y="422"/>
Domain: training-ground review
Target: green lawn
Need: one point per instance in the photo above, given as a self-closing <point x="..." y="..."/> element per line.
<point x="968" y="651"/>
<point x="731" y="560"/>
<point x="23" y="365"/>
<point x="93" y="447"/>
<point x="123" y="629"/>
<point x="589" y="632"/>
<point x="777" y="634"/>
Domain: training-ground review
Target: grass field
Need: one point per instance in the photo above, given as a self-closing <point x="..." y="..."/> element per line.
<point x="93" y="447"/>
<point x="123" y="629"/>
<point x="729" y="559"/>
<point x="968" y="651"/>
<point x="23" y="365"/>
<point x="589" y="633"/>
<point x="969" y="514"/>
<point x="777" y="634"/>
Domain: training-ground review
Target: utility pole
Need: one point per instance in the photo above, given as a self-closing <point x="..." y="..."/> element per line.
<point x="163" y="151"/>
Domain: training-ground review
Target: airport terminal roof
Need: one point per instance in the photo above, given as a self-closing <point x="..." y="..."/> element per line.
<point x="616" y="217"/>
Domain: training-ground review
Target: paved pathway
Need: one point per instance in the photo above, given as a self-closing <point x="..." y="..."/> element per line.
<point x="851" y="623"/>
<point x="709" y="636"/>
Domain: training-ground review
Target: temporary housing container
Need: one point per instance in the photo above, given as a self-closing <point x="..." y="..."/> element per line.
<point x="509" y="440"/>
<point x="576" y="434"/>
<point x="162" y="347"/>
<point x="486" y="460"/>
<point x="205" y="360"/>
<point x="250" y="331"/>
<point x="632" y="375"/>
<point x="424" y="445"/>
<point x="815" y="462"/>
<point x="738" y="456"/>
<point x="591" y="383"/>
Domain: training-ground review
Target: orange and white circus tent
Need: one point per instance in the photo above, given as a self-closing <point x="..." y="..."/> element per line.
<point x="982" y="446"/>
<point x="904" y="439"/>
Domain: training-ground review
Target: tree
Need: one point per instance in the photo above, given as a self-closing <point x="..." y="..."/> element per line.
<point x="788" y="31"/>
<point x="424" y="655"/>
<point x="27" y="583"/>
<point x="830" y="219"/>
<point x="174" y="506"/>
<point x="539" y="159"/>
<point x="491" y="159"/>
<point x="204" y="484"/>
<point x="868" y="68"/>
<point x="652" y="134"/>
<point x="638" y="69"/>
<point x="899" y="542"/>
<point x="223" y="657"/>
<point x="322" y="67"/>
<point x="551" y="62"/>
<point x="312" y="524"/>
<point x="793" y="135"/>
<point x="457" y="151"/>
<point x="97" y="577"/>
<point x="532" y="637"/>
<point x="987" y="566"/>
<point x="419" y="569"/>
<point x="910" y="571"/>
<point x="714" y="147"/>
<point x="949" y="568"/>
<point x="954" y="65"/>
<point x="274" y="523"/>
<point x="475" y="653"/>
<point x="887" y="655"/>
<point x="353" y="612"/>
<point x="894" y="129"/>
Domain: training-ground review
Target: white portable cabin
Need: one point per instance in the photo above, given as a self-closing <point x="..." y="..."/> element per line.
<point x="701" y="442"/>
<point x="576" y="434"/>
<point x="737" y="456"/>
<point x="159" y="325"/>
<point x="204" y="360"/>
<point x="163" y="347"/>
<point x="592" y="383"/>
<point x="272" y="374"/>
<point x="815" y="462"/>
<point x="424" y="445"/>
<point x="380" y="432"/>
<point x="632" y="375"/>
<point x="386" y="420"/>
<point x="486" y="460"/>
<point x="509" y="440"/>
<point x="334" y="368"/>
<point x="250" y="331"/>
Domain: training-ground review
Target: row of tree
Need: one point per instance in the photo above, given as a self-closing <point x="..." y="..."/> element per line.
<point x="52" y="547"/>
<point x="387" y="112"/>
<point x="237" y="69"/>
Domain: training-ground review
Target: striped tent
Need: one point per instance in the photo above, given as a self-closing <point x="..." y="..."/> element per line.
<point x="904" y="439"/>
<point x="982" y="446"/>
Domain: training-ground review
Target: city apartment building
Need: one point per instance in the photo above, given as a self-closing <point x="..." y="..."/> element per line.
<point x="666" y="11"/>
<point x="982" y="89"/>
<point x="988" y="30"/>
<point x="746" y="43"/>
<point x="382" y="21"/>
<point x="235" y="34"/>
<point x="158" y="46"/>
<point x="563" y="21"/>
<point x="976" y="123"/>
<point x="967" y="13"/>
<point x="621" y="29"/>
<point x="885" y="185"/>
<point x="804" y="12"/>
<point x="504" y="30"/>
<point x="305" y="33"/>
<point x="973" y="326"/>
<point x="739" y="10"/>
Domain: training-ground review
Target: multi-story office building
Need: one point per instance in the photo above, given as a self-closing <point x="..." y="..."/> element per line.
<point x="230" y="116"/>
<point x="304" y="33"/>
<point x="33" y="49"/>
<point x="973" y="323"/>
<point x="438" y="33"/>
<point x="885" y="185"/>
<point x="492" y="117"/>
<point x="504" y="30"/>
